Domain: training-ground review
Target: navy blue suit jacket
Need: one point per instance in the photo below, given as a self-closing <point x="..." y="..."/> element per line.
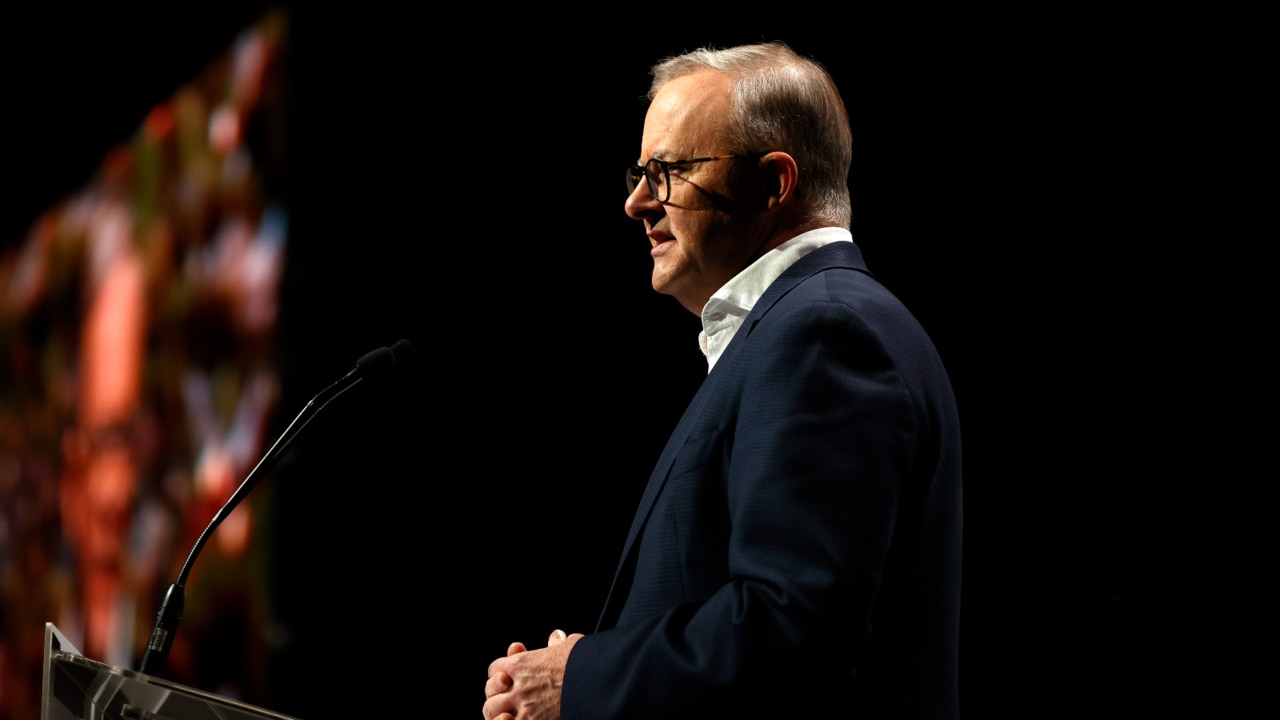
<point x="796" y="552"/>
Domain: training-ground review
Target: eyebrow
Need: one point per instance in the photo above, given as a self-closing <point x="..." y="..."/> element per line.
<point x="658" y="154"/>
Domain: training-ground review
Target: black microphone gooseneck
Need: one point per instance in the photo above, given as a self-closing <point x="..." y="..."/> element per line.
<point x="371" y="364"/>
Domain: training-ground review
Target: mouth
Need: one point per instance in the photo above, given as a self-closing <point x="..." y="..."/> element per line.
<point x="658" y="240"/>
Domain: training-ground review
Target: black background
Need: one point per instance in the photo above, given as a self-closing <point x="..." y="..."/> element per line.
<point x="455" y="178"/>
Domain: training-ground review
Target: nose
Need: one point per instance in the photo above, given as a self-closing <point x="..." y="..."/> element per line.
<point x="640" y="204"/>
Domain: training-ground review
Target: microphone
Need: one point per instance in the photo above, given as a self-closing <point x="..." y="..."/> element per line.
<point x="383" y="359"/>
<point x="371" y="364"/>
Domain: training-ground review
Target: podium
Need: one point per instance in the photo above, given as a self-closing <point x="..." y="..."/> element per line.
<point x="78" y="688"/>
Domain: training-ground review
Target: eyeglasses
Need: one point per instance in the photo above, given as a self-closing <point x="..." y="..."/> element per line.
<point x="657" y="173"/>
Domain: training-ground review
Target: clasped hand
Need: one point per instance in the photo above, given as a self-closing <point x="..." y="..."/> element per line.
<point x="526" y="684"/>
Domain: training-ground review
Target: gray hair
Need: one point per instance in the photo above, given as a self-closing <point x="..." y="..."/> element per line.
<point x="782" y="101"/>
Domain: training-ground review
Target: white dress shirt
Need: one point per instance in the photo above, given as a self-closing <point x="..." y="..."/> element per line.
<point x="728" y="307"/>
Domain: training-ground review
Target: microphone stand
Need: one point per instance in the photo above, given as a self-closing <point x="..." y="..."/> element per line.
<point x="373" y="363"/>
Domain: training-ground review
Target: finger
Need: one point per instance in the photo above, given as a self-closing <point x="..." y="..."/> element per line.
<point x="557" y="637"/>
<point x="499" y="708"/>
<point x="499" y="665"/>
<point x="515" y="648"/>
<point x="499" y="682"/>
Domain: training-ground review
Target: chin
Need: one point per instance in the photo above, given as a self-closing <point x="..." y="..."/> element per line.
<point x="664" y="287"/>
<point x="661" y="283"/>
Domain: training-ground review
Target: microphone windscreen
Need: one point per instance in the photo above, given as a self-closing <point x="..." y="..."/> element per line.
<point x="403" y="353"/>
<point x="383" y="359"/>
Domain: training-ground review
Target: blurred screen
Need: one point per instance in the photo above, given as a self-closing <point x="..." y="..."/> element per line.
<point x="139" y="387"/>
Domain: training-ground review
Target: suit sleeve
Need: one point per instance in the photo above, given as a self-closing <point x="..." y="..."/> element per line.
<point x="814" y="451"/>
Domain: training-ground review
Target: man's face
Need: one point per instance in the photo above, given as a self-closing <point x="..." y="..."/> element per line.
<point x="703" y="234"/>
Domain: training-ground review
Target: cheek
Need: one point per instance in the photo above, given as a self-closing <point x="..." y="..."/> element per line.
<point x="691" y="232"/>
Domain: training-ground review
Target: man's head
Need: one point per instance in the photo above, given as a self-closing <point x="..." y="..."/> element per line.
<point x="770" y="139"/>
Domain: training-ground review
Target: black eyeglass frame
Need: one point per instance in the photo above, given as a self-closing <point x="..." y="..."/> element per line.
<point x="635" y="172"/>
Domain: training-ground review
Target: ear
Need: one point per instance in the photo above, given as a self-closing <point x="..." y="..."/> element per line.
<point x="781" y="174"/>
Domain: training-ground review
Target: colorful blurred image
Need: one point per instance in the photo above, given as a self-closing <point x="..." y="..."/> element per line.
<point x="138" y="386"/>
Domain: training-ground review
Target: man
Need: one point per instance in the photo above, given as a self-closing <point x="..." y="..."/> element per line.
<point x="797" y="550"/>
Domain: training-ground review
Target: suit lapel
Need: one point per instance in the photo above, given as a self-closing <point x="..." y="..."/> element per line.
<point x="621" y="579"/>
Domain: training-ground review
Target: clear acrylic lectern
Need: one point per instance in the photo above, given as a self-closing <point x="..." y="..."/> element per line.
<point x="77" y="688"/>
